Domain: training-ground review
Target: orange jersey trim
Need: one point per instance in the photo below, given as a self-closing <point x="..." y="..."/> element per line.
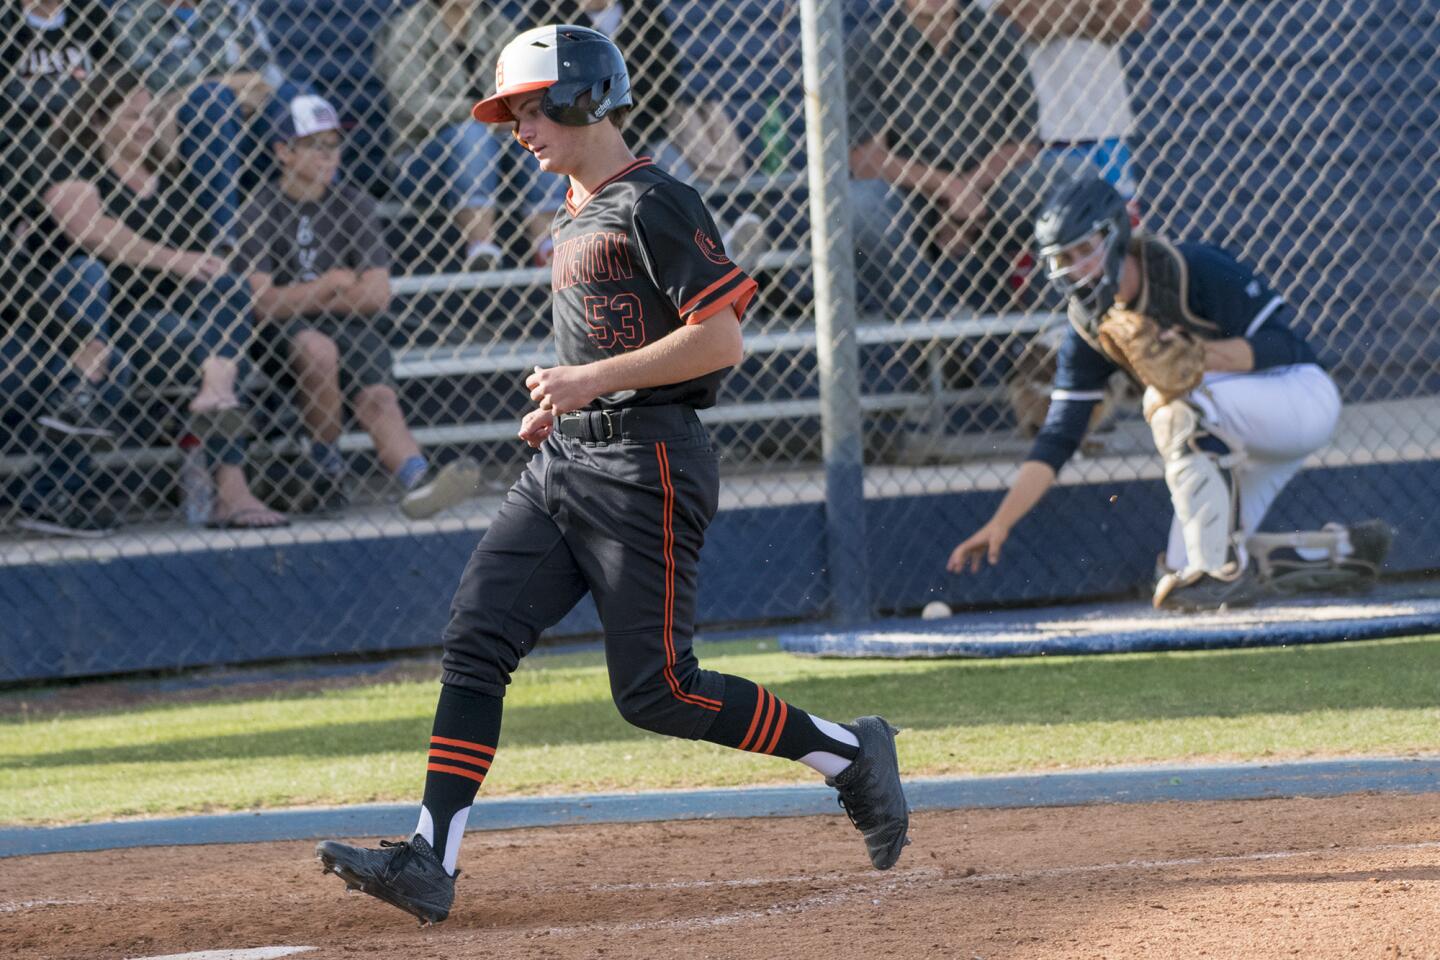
<point x="740" y="298"/>
<point x="574" y="211"/>
<point x="690" y="304"/>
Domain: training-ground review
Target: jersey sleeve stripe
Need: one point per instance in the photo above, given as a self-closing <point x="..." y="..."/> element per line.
<point x="739" y="296"/>
<point x="1265" y="314"/>
<point x="690" y="304"/>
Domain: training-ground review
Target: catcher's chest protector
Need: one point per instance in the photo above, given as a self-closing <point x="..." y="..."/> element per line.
<point x="1164" y="293"/>
<point x="1165" y="288"/>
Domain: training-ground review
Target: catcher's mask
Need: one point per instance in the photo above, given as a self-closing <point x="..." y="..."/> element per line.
<point x="1083" y="233"/>
<point x="581" y="72"/>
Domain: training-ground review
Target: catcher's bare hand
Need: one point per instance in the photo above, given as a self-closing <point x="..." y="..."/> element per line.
<point x="536" y="426"/>
<point x="982" y="545"/>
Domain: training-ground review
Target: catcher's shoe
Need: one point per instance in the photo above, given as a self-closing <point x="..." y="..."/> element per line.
<point x="406" y="874"/>
<point x="1199" y="591"/>
<point x="1369" y="543"/>
<point x="871" y="794"/>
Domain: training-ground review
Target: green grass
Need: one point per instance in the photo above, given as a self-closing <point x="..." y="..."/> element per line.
<point x="562" y="734"/>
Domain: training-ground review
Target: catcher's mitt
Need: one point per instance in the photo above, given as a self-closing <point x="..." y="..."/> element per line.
<point x="1171" y="360"/>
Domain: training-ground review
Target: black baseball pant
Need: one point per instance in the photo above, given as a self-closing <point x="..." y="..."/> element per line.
<point x="620" y="511"/>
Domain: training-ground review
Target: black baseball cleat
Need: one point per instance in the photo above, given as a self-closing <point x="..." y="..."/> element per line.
<point x="871" y="793"/>
<point x="1201" y="592"/>
<point x="404" y="873"/>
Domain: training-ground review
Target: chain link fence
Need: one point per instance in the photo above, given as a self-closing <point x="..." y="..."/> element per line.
<point x="225" y="309"/>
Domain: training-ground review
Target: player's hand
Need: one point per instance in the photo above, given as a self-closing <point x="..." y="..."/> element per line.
<point x="561" y="389"/>
<point x="536" y="426"/>
<point x="982" y="545"/>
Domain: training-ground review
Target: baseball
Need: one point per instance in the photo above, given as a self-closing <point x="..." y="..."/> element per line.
<point x="935" y="610"/>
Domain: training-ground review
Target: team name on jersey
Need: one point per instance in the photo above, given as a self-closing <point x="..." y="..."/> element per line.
<point x="41" y="61"/>
<point x="591" y="258"/>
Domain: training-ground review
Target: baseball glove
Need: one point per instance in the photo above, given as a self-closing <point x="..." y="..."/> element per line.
<point x="1169" y="359"/>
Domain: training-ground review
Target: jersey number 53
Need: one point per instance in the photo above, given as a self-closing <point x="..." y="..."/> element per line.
<point x="616" y="321"/>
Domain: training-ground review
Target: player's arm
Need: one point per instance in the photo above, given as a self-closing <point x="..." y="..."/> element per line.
<point x="1255" y="317"/>
<point x="1081" y="374"/>
<point x="1231" y="355"/>
<point x="683" y="354"/>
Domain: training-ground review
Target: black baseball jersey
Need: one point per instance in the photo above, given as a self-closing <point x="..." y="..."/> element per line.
<point x="637" y="260"/>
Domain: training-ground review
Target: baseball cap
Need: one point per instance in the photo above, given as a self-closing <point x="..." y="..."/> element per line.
<point x="308" y="114"/>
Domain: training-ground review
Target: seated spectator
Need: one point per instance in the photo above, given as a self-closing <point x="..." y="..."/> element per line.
<point x="689" y="139"/>
<point x="121" y="223"/>
<point x="37" y="378"/>
<point x="321" y="276"/>
<point x="437" y="59"/>
<point x="1079" y="79"/>
<point x="941" y="107"/>
<point x="219" y="93"/>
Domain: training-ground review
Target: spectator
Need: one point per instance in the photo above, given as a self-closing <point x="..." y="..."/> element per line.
<point x="60" y="496"/>
<point x="1079" y="80"/>
<point x="941" y="107"/>
<point x="688" y="138"/>
<point x="121" y="223"/>
<point x="49" y="49"/>
<point x="321" y="276"/>
<point x="436" y="58"/>
<point x="219" y="93"/>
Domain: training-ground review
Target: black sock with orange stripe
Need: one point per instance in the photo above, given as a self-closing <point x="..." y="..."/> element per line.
<point x="754" y="719"/>
<point x="462" y="744"/>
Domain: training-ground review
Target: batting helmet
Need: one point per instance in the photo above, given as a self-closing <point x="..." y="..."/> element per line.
<point x="1084" y="222"/>
<point x="581" y="71"/>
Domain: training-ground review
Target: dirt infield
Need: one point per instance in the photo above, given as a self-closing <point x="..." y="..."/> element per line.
<point x="1348" y="877"/>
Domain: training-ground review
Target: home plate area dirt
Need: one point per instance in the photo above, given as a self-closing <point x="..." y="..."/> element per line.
<point x="1347" y="877"/>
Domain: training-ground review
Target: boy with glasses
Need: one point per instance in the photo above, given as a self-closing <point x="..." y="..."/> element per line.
<point x="320" y="271"/>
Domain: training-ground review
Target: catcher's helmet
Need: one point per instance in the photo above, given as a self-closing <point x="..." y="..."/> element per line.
<point x="568" y="63"/>
<point x="1066" y="232"/>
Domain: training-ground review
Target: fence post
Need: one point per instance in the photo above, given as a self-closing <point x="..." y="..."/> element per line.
<point x="833" y="255"/>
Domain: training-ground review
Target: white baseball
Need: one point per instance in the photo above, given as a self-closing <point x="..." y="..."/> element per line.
<point x="936" y="610"/>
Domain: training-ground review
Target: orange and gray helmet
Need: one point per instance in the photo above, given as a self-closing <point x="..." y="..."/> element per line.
<point x="581" y="71"/>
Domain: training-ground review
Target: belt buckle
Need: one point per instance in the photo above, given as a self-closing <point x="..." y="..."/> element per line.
<point x="608" y="418"/>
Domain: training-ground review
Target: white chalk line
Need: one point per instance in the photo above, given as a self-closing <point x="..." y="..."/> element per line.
<point x="885" y="885"/>
<point x="253" y="953"/>
<point x="15" y="906"/>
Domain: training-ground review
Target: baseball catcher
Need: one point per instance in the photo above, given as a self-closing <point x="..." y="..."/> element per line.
<point x="1235" y="399"/>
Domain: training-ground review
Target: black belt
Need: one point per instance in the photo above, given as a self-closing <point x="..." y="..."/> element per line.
<point x="627" y="423"/>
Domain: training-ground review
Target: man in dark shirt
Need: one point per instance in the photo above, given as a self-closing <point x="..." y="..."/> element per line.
<point x="941" y="108"/>
<point x="647" y="311"/>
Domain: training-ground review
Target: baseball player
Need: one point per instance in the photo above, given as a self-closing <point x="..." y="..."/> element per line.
<point x="1234" y="397"/>
<point x="646" y="309"/>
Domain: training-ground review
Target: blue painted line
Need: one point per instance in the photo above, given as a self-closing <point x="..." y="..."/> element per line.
<point x="1320" y="778"/>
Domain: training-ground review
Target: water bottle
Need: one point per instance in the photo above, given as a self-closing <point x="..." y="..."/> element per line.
<point x="197" y="486"/>
<point x="774" y="138"/>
